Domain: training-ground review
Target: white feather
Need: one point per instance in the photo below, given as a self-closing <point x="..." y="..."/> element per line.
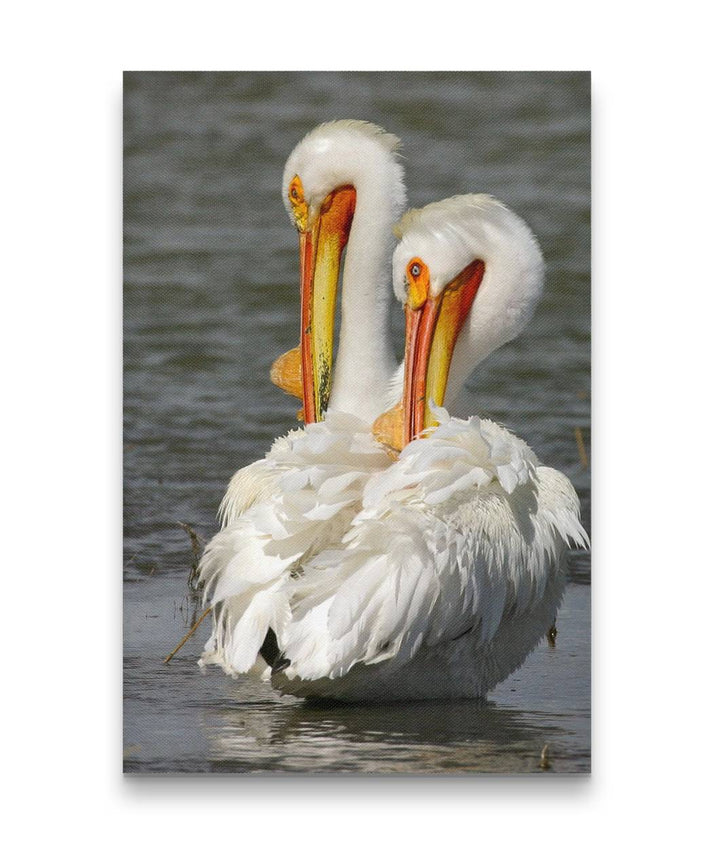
<point x="414" y="574"/>
<point x="319" y="475"/>
<point x="430" y="577"/>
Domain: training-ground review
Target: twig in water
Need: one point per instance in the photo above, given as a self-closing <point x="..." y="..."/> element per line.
<point x="196" y="545"/>
<point x="187" y="636"/>
<point x="581" y="448"/>
<point x="545" y="758"/>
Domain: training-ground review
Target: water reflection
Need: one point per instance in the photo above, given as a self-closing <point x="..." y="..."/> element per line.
<point x="458" y="737"/>
<point x="180" y="719"/>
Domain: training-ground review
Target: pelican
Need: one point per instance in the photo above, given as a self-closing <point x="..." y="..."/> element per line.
<point x="343" y="189"/>
<point x="455" y="566"/>
<point x="344" y="186"/>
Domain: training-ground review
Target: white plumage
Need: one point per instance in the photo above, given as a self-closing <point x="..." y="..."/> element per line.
<point x="438" y="586"/>
<point x="364" y="156"/>
<point x="445" y="580"/>
<point x="365" y="377"/>
<point x="312" y="487"/>
<point x="432" y="576"/>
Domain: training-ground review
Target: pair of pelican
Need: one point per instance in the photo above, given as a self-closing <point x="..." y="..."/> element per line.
<point x="388" y="550"/>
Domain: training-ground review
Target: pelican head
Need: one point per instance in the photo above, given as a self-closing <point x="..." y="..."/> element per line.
<point x="338" y="169"/>
<point x="470" y="273"/>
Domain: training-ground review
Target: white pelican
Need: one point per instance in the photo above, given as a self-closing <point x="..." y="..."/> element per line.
<point x="343" y="188"/>
<point x="455" y="567"/>
<point x="344" y="185"/>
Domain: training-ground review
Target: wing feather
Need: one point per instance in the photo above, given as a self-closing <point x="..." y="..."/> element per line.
<point x="462" y="530"/>
<point x="276" y="514"/>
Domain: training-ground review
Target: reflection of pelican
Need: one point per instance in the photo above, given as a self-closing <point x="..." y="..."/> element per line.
<point x="343" y="189"/>
<point x="415" y="737"/>
<point x="455" y="567"/>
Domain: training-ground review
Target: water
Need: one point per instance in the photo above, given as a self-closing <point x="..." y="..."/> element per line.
<point x="211" y="298"/>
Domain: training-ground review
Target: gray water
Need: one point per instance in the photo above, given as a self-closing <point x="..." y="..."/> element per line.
<point x="211" y="298"/>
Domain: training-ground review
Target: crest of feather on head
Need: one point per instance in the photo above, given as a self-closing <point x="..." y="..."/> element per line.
<point x="354" y="152"/>
<point x="385" y="138"/>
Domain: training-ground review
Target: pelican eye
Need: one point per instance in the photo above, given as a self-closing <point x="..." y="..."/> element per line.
<point x="416" y="269"/>
<point x="417" y="277"/>
<point x="296" y="195"/>
<point x="296" y="191"/>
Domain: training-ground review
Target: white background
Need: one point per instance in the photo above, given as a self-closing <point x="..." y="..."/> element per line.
<point x="655" y="474"/>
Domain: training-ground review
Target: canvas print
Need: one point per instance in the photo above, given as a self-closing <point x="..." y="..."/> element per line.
<point x="357" y="422"/>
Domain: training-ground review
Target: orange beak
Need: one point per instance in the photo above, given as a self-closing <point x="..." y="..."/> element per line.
<point x="321" y="248"/>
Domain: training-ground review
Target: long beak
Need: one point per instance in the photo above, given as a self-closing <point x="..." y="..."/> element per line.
<point x="321" y="250"/>
<point x="428" y="365"/>
<point x="431" y="332"/>
<point x="419" y="328"/>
